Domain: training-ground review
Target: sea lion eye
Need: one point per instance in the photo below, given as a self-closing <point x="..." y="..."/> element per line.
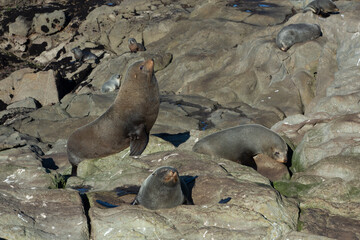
<point x="276" y="153"/>
<point x="141" y="67"/>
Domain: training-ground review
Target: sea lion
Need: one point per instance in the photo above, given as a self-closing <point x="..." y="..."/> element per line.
<point x="111" y="84"/>
<point x="82" y="55"/>
<point x="322" y="7"/>
<point x="135" y="46"/>
<point x="162" y="189"/>
<point x="240" y="144"/>
<point x="127" y="122"/>
<point x="296" y="33"/>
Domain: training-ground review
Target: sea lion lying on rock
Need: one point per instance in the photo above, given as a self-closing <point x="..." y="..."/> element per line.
<point x="322" y="7"/>
<point x="297" y="33"/>
<point x="240" y="144"/>
<point x="163" y="189"/>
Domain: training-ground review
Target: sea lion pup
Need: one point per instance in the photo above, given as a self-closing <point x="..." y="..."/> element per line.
<point x="127" y="122"/>
<point x="135" y="46"/>
<point x="111" y="84"/>
<point x="296" y="33"/>
<point x="240" y="144"/>
<point x="82" y="55"/>
<point x="321" y="7"/>
<point x="162" y="189"/>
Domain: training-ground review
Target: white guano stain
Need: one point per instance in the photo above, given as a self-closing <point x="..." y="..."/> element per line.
<point x="22" y="218"/>
<point x="28" y="197"/>
<point x="358" y="62"/>
<point x="43" y="215"/>
<point x="108" y="231"/>
<point x="171" y="155"/>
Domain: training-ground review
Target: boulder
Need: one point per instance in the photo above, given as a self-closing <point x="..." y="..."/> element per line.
<point x="49" y="23"/>
<point x="20" y="27"/>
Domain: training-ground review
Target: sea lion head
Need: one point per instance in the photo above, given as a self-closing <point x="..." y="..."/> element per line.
<point x="132" y="41"/>
<point x="168" y="176"/>
<point x="278" y="150"/>
<point x="142" y="70"/>
<point x="286" y="41"/>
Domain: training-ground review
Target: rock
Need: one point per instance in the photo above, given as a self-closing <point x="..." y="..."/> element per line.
<point x="49" y="23"/>
<point x="89" y="105"/>
<point x="22" y="168"/>
<point x="35" y="214"/>
<point x="212" y="219"/>
<point x="26" y="103"/>
<point x="10" y="138"/>
<point x="25" y="83"/>
<point x="172" y="119"/>
<point x="338" y="137"/>
<point x="7" y="84"/>
<point x="321" y="222"/>
<point x="20" y="27"/>
<point x="53" y="130"/>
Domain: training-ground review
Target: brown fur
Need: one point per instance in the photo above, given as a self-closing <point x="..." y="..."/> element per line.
<point x="127" y="122"/>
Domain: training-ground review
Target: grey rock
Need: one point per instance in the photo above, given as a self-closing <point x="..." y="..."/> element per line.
<point x="20" y="27"/>
<point x="49" y="23"/>
<point x="321" y="222"/>
<point x="338" y="137"/>
<point x="25" y="83"/>
<point x="26" y="103"/>
<point x="22" y="168"/>
<point x="34" y="214"/>
<point x="243" y="185"/>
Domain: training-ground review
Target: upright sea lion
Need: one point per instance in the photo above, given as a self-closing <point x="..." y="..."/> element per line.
<point x="162" y="189"/>
<point x="321" y="7"/>
<point x="127" y="122"/>
<point x="240" y="144"/>
<point x="296" y="33"/>
<point x="111" y="84"/>
<point x="134" y="46"/>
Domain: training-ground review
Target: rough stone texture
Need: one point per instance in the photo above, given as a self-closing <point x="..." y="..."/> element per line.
<point x="42" y="214"/>
<point x="338" y="137"/>
<point x="225" y="70"/>
<point x="270" y="217"/>
<point x="49" y="23"/>
<point x="24" y="83"/>
<point x="26" y="103"/>
<point x="20" y="27"/>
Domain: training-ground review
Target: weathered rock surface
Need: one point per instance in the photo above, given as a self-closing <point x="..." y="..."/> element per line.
<point x="217" y="66"/>
<point x="42" y="214"/>
<point x="270" y="217"/>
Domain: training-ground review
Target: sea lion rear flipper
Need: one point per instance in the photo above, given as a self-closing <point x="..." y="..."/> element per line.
<point x="138" y="141"/>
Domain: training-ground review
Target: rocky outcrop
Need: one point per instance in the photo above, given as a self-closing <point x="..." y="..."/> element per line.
<point x="217" y="66"/>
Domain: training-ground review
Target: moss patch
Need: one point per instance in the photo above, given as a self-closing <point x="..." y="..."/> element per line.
<point x="57" y="181"/>
<point x="292" y="189"/>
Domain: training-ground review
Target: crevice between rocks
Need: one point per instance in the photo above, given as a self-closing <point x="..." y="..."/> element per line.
<point x="86" y="206"/>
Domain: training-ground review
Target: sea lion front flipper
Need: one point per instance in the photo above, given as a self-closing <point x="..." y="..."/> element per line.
<point x="138" y="141"/>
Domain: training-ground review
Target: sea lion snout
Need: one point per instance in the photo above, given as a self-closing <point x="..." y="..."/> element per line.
<point x="149" y="64"/>
<point x="281" y="157"/>
<point x="171" y="176"/>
